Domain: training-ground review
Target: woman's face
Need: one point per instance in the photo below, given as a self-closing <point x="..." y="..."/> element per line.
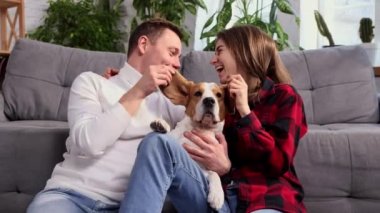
<point x="223" y="61"/>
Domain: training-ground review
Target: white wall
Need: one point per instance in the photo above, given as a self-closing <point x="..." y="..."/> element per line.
<point x="34" y="12"/>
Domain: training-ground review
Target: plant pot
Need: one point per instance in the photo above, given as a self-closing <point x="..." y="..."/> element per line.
<point x="335" y="45"/>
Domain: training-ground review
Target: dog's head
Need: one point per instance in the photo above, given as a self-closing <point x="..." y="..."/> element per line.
<point x="204" y="102"/>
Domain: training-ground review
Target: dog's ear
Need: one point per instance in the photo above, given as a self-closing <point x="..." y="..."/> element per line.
<point x="178" y="89"/>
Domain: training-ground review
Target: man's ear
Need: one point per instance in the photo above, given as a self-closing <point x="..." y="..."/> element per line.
<point x="141" y="44"/>
<point x="178" y="90"/>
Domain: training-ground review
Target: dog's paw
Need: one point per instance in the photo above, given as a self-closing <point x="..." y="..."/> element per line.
<point x="160" y="126"/>
<point x="215" y="195"/>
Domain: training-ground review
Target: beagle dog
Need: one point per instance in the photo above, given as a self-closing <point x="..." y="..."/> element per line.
<point x="205" y="110"/>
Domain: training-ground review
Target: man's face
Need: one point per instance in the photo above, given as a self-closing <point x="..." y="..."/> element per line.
<point x="166" y="50"/>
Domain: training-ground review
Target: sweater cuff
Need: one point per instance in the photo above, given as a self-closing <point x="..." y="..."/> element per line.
<point x="249" y="120"/>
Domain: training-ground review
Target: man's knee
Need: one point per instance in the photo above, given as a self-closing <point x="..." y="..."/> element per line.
<point x="48" y="202"/>
<point x="157" y="142"/>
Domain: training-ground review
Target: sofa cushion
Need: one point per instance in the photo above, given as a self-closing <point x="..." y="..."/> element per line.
<point x="336" y="84"/>
<point x="39" y="76"/>
<point x="29" y="150"/>
<point x="339" y="82"/>
<point x="337" y="165"/>
<point x="196" y="66"/>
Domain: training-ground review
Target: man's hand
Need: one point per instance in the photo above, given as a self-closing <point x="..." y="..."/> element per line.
<point x="154" y="77"/>
<point x="110" y="72"/>
<point x="151" y="79"/>
<point x="211" y="152"/>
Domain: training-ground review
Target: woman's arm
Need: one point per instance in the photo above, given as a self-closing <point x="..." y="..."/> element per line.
<point x="271" y="146"/>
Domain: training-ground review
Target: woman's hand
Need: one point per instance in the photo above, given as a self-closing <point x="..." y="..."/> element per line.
<point x="110" y="72"/>
<point x="238" y="90"/>
<point x="211" y="151"/>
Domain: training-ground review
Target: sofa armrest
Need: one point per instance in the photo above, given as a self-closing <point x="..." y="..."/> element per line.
<point x="3" y="118"/>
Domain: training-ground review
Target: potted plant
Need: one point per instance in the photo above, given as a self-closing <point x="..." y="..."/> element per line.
<point x="366" y="30"/>
<point x="366" y="36"/>
<point x="173" y="11"/>
<point x="323" y="28"/>
<point x="271" y="26"/>
<point x="87" y="24"/>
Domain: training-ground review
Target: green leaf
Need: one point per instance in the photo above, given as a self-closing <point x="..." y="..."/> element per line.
<point x="201" y="4"/>
<point x="211" y="33"/>
<point x="208" y="22"/>
<point x="298" y="21"/>
<point x="81" y="24"/>
<point x="134" y="24"/>
<point x="171" y="10"/>
<point x="284" y="6"/>
<point x="210" y="46"/>
<point x="261" y="24"/>
<point x="272" y="13"/>
<point x="191" y="8"/>
<point x="225" y="14"/>
<point x="117" y="5"/>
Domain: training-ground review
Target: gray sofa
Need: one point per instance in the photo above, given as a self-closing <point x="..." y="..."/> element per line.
<point x="338" y="161"/>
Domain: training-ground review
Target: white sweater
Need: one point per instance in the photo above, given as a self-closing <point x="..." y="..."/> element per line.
<point x="103" y="138"/>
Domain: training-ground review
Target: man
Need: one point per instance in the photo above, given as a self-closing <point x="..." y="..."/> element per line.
<point x="108" y="119"/>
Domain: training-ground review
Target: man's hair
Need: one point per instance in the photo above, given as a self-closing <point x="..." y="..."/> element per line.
<point x="256" y="53"/>
<point x="152" y="29"/>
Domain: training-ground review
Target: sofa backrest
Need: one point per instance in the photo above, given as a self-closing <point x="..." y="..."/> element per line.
<point x="39" y="76"/>
<point x="337" y="84"/>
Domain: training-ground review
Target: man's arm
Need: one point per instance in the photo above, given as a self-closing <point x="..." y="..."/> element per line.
<point x="93" y="125"/>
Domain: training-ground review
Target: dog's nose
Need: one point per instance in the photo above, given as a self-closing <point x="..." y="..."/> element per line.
<point x="208" y="102"/>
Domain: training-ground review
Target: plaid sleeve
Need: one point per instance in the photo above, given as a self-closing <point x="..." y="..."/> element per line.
<point x="268" y="136"/>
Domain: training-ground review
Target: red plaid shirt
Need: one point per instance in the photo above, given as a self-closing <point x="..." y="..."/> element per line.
<point x="262" y="146"/>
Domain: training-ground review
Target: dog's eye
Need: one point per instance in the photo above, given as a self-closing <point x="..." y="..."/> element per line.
<point x="198" y="93"/>
<point x="219" y="95"/>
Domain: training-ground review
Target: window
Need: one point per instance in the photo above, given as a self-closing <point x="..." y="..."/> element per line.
<point x="341" y="16"/>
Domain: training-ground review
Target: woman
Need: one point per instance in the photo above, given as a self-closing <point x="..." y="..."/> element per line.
<point x="264" y="126"/>
<point x="261" y="134"/>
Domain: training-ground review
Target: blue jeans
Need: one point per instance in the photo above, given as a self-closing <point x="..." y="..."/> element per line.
<point x="162" y="168"/>
<point x="60" y="200"/>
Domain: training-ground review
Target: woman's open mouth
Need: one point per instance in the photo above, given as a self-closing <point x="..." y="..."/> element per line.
<point x="219" y="69"/>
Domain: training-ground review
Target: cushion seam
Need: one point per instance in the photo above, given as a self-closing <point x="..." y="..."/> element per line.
<point x="21" y="76"/>
<point x="64" y="82"/>
<point x="311" y="88"/>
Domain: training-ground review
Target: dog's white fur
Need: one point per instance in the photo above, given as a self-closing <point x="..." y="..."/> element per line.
<point x="205" y="110"/>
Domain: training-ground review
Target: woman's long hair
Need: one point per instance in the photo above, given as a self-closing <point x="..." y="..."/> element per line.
<point x="256" y="55"/>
